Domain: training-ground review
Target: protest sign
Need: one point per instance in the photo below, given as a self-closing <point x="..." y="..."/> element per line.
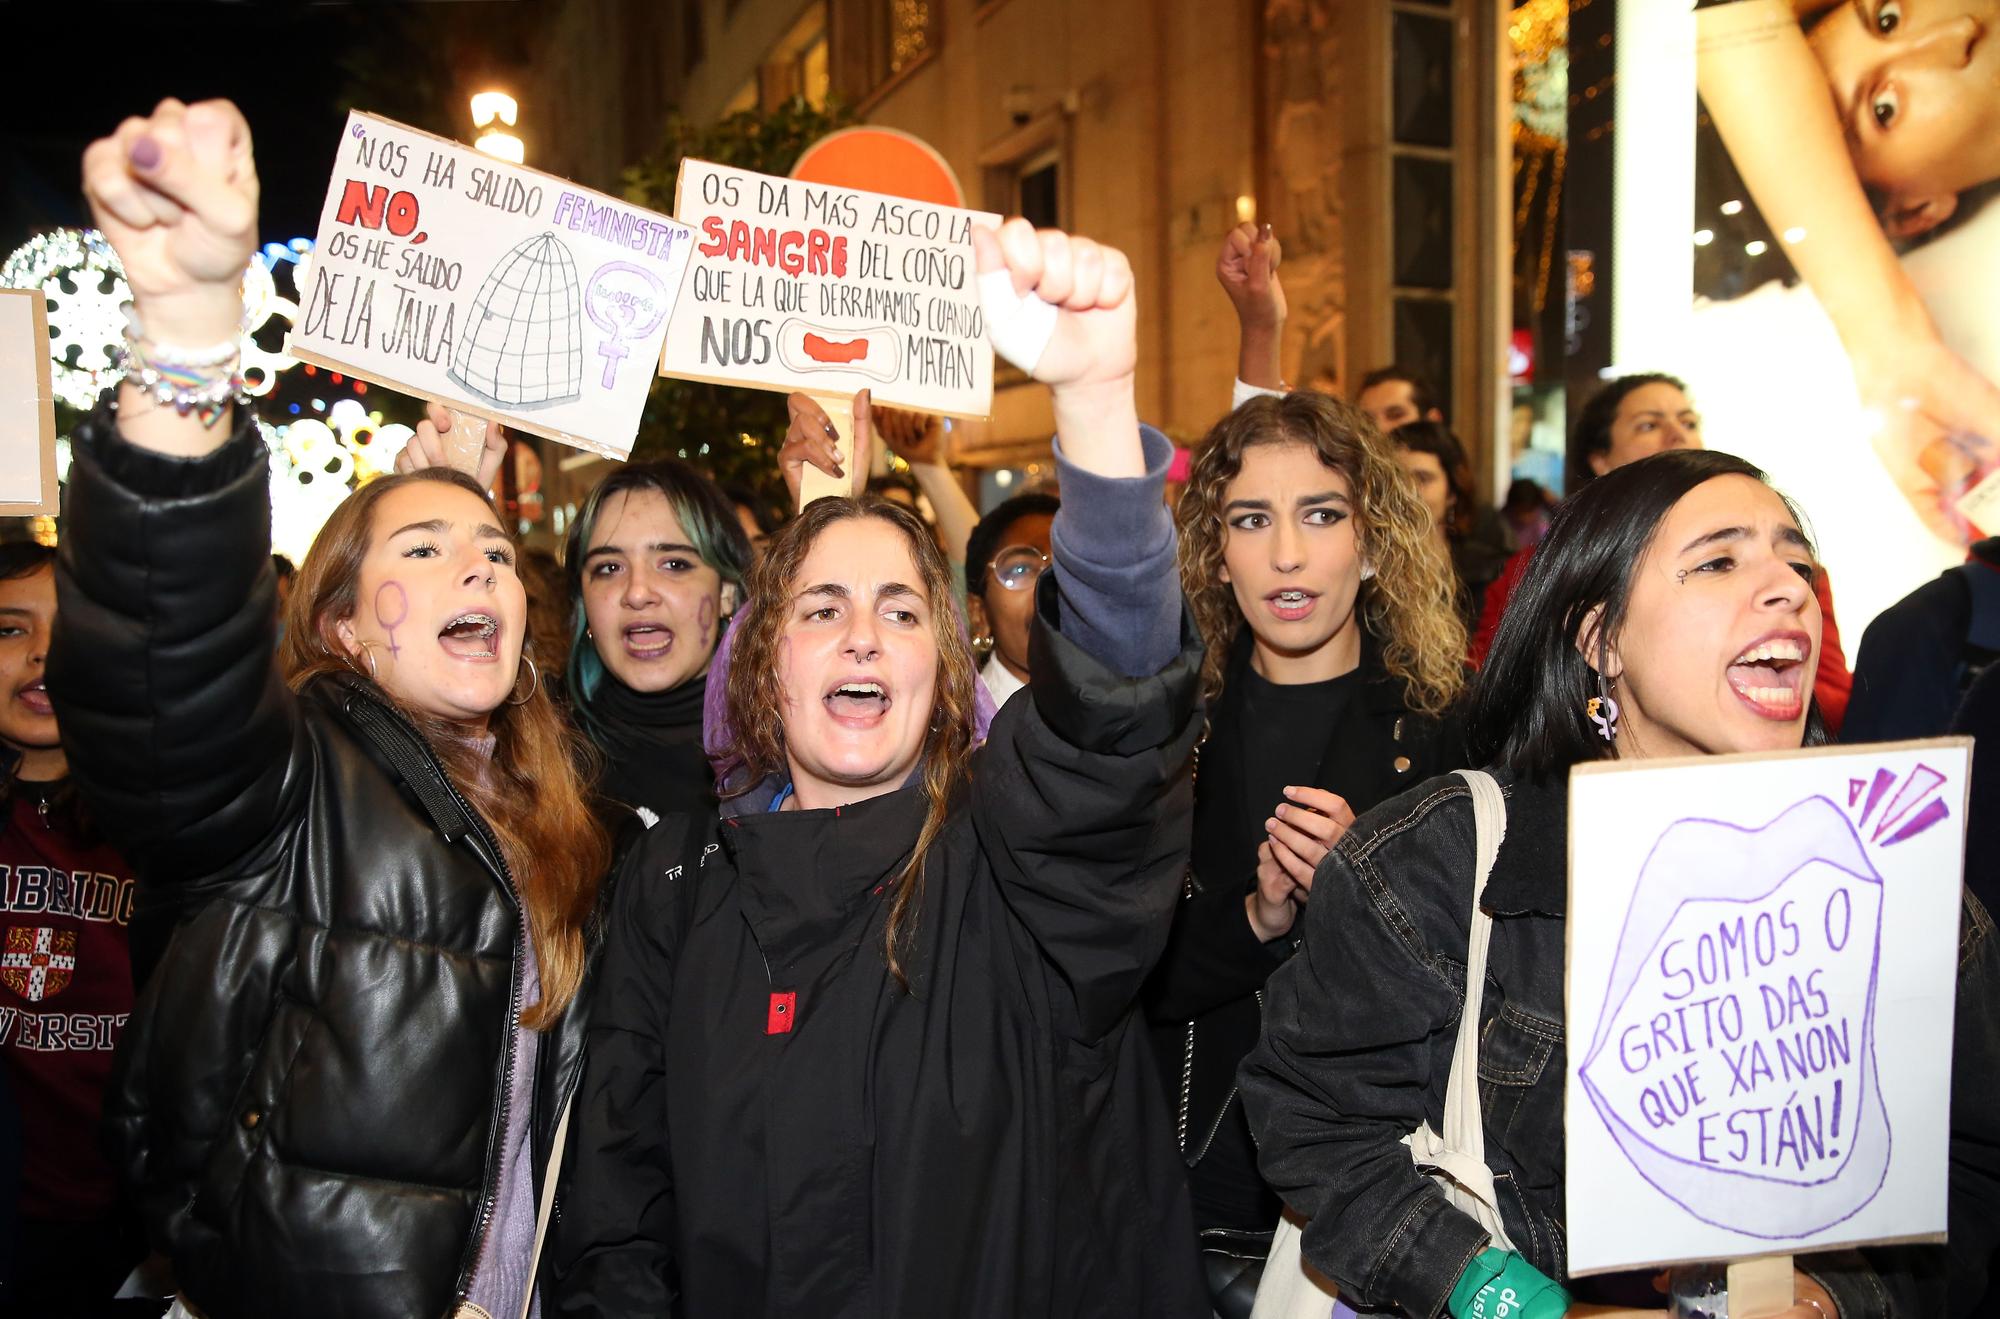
<point x="807" y="286"/>
<point x="1762" y="963"/>
<point x="27" y="406"/>
<point x="508" y="293"/>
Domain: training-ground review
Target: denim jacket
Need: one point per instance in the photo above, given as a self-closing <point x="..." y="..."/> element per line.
<point x="1358" y="1033"/>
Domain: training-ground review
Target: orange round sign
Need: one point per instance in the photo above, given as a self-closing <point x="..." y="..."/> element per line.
<point x="885" y="160"/>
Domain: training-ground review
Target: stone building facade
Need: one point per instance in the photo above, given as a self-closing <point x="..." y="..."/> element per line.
<point x="1368" y="132"/>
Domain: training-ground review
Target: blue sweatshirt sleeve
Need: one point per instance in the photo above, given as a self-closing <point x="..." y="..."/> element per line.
<point x="1118" y="589"/>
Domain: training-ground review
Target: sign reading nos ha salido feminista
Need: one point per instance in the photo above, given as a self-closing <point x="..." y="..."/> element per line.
<point x="505" y="292"/>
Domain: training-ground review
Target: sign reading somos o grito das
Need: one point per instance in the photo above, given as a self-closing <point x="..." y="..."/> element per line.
<point x="1762" y="976"/>
<point x="806" y="286"/>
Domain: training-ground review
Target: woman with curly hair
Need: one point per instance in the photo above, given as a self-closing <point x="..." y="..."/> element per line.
<point x="870" y="1043"/>
<point x="1335" y="654"/>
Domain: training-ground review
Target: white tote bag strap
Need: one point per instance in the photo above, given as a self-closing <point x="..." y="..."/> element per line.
<point x="549" y="1179"/>
<point x="1463" y="1131"/>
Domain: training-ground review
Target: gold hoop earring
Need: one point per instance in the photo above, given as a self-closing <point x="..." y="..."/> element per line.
<point x="534" y="681"/>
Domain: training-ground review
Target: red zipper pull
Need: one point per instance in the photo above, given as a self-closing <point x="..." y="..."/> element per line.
<point x="784" y="1009"/>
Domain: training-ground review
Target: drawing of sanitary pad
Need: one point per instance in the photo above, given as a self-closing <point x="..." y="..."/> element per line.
<point x="805" y="347"/>
<point x="1734" y="1063"/>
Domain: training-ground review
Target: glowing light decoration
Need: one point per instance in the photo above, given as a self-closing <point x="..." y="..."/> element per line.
<point x="315" y="464"/>
<point x="84" y="282"/>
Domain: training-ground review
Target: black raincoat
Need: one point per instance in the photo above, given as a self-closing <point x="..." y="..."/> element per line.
<point x="769" y="1125"/>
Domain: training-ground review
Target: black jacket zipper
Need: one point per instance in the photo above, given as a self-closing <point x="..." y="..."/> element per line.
<point x="411" y="756"/>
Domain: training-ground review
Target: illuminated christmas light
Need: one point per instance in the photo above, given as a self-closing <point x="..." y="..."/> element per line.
<point x="84" y="282"/>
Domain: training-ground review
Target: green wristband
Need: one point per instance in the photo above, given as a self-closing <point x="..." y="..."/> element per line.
<point x="1499" y="1284"/>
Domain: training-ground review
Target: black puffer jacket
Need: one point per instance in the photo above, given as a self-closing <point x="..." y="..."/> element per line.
<point x="307" y="1097"/>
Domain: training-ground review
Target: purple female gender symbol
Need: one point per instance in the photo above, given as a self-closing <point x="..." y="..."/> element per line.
<point x="626" y="302"/>
<point x="400" y="599"/>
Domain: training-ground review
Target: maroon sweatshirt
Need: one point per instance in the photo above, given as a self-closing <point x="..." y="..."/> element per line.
<point x="65" y="994"/>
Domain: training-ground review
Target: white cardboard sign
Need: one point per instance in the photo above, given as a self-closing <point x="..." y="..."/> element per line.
<point x="506" y="292"/>
<point x="27" y="406"/>
<point x="830" y="290"/>
<point x="1762" y="969"/>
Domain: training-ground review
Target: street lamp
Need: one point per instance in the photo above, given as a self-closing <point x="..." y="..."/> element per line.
<point x="496" y="141"/>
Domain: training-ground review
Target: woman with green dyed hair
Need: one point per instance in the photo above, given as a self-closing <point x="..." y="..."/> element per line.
<point x="655" y="562"/>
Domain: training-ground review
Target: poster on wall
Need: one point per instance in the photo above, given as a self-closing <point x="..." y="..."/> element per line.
<point x="507" y="293"/>
<point x="1846" y="261"/>
<point x="1762" y="975"/>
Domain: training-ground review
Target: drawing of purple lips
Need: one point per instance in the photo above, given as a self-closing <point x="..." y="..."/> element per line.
<point x="1737" y="1049"/>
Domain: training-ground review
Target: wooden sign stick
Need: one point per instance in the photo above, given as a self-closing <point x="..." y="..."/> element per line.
<point x="815" y="484"/>
<point x="1760" y="1286"/>
<point x="465" y="443"/>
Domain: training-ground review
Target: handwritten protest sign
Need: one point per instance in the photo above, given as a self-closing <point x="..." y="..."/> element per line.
<point x="1762" y="953"/>
<point x="807" y="286"/>
<point x="27" y="406"/>
<point x="511" y="294"/>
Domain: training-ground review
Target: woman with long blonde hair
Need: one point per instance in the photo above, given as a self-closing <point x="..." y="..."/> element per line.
<point x="338" y="1091"/>
<point x="870" y="1044"/>
<point x="1335" y="656"/>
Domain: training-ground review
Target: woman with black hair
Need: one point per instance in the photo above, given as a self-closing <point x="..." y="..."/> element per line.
<point x="1631" y="418"/>
<point x="655" y="563"/>
<point x="1652" y="587"/>
<point x="66" y="988"/>
<point x="1004" y="559"/>
<point x="1466" y="530"/>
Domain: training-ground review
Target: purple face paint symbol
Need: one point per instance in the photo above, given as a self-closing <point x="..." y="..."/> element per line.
<point x="392" y="596"/>
<point x="706" y="618"/>
<point x="628" y="303"/>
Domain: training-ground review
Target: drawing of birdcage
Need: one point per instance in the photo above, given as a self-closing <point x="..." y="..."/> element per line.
<point x="522" y="345"/>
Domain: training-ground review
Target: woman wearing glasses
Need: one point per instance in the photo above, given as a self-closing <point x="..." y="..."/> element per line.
<point x="1335" y="651"/>
<point x="1004" y="559"/>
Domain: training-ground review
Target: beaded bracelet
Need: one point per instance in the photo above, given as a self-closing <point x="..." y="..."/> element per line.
<point x="204" y="381"/>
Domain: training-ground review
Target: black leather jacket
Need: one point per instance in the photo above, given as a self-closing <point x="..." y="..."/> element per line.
<point x="309" y="1094"/>
<point x="1342" y="1076"/>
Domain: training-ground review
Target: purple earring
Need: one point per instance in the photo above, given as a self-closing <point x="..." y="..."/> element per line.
<point x="1603" y="711"/>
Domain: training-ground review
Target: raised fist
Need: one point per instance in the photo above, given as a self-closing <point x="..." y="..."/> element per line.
<point x="175" y="194"/>
<point x="1247" y="269"/>
<point x="1094" y="339"/>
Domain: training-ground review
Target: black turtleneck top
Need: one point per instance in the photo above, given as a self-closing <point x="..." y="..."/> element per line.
<point x="651" y="743"/>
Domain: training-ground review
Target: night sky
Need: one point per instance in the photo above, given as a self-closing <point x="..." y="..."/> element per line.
<point x="80" y="67"/>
